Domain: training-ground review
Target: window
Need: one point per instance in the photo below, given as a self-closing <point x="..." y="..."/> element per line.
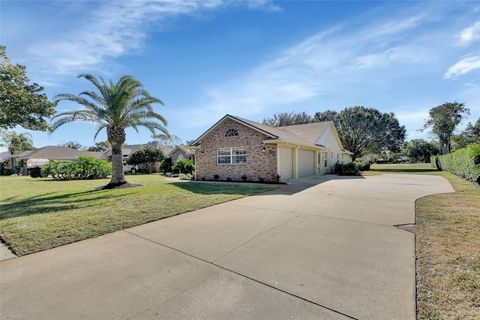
<point x="231" y="156"/>
<point x="231" y="132"/>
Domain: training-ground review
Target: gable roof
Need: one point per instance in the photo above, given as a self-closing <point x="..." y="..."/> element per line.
<point x="303" y="134"/>
<point x="185" y="149"/>
<point x="57" y="153"/>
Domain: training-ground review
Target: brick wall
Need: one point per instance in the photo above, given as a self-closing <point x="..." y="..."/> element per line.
<point x="260" y="163"/>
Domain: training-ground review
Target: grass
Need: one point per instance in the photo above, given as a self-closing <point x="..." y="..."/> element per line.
<point x="39" y="214"/>
<point x="447" y="247"/>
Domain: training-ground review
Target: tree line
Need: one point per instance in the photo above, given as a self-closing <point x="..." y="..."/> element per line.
<point x="364" y="130"/>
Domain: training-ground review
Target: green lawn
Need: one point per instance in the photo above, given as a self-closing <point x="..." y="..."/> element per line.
<point x="39" y="214"/>
<point x="447" y="247"/>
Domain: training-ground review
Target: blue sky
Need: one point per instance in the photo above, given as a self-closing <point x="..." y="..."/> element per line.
<point x="252" y="58"/>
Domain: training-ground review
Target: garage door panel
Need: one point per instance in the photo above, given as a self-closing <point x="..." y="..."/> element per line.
<point x="285" y="169"/>
<point x="306" y="162"/>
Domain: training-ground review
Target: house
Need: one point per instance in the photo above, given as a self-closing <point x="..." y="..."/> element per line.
<point x="236" y="148"/>
<point x="128" y="149"/>
<point x="181" y="152"/>
<point x="40" y="156"/>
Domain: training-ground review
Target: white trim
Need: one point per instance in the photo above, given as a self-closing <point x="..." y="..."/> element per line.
<point x="231" y="155"/>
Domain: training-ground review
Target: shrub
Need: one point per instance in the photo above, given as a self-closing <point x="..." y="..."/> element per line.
<point x="184" y="176"/>
<point x="147" y="157"/>
<point x="166" y="165"/>
<point x="363" y="165"/>
<point x="347" y="169"/>
<point x="244" y="178"/>
<point x="216" y="177"/>
<point x="5" y="171"/>
<point x="86" y="168"/>
<point x="464" y="162"/>
<point x="261" y="179"/>
<point x="183" y="166"/>
<point x="435" y="162"/>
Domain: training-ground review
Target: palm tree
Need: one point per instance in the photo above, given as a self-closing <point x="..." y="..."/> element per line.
<point x="115" y="107"/>
<point x="16" y="142"/>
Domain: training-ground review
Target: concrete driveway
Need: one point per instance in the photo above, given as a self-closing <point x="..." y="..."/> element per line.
<point x="321" y="248"/>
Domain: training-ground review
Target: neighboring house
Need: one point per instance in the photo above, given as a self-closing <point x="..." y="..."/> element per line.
<point x="128" y="149"/>
<point x="181" y="152"/>
<point x="235" y="147"/>
<point x="43" y="155"/>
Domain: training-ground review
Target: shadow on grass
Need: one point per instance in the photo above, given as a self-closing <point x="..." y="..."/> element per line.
<point x="53" y="202"/>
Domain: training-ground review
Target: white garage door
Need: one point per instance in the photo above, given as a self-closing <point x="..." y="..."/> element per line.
<point x="285" y="169"/>
<point x="306" y="162"/>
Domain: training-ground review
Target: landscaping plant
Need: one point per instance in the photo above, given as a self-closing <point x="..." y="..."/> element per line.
<point x="86" y="168"/>
<point x="464" y="162"/>
<point x="183" y="166"/>
<point x="114" y="107"/>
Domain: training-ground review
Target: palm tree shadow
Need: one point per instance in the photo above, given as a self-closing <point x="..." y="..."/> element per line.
<point x="52" y="203"/>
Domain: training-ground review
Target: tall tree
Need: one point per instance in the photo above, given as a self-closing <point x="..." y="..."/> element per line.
<point x="420" y="150"/>
<point x="288" y="119"/>
<point x="366" y="129"/>
<point x="443" y="120"/>
<point x="114" y="107"/>
<point x="470" y="135"/>
<point x="21" y="103"/>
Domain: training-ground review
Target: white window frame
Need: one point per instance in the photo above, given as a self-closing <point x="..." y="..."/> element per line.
<point x="231" y="156"/>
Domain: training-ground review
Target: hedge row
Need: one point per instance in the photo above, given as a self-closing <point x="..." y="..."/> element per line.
<point x="86" y="168"/>
<point x="464" y="162"/>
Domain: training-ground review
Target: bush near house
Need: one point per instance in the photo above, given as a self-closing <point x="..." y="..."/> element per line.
<point x="464" y="162"/>
<point x="347" y="169"/>
<point x="183" y="166"/>
<point x="86" y="168"/>
<point x="149" y="157"/>
<point x="166" y="165"/>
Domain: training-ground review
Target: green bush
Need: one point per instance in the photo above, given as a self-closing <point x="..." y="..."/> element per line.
<point x="86" y="168"/>
<point x="464" y="162"/>
<point x="183" y="166"/>
<point x="435" y="162"/>
<point x="363" y="165"/>
<point x="347" y="169"/>
<point x="166" y="165"/>
<point x="147" y="157"/>
<point x="5" y="171"/>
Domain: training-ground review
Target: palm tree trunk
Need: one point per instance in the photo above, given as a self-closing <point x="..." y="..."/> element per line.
<point x="116" y="137"/>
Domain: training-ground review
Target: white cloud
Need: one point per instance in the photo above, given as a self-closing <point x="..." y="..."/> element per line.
<point x="470" y="34"/>
<point x="112" y="30"/>
<point x="327" y="62"/>
<point x="463" y="66"/>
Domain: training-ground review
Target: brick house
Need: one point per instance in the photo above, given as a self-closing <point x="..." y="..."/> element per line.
<point x="235" y="147"/>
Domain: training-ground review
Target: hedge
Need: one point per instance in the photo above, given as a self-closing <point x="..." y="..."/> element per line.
<point x="464" y="162"/>
<point x="86" y="168"/>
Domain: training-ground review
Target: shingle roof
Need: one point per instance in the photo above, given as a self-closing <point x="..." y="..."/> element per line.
<point x="302" y="134"/>
<point x="58" y="153"/>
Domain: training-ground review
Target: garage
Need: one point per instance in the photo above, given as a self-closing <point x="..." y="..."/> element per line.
<point x="285" y="159"/>
<point x="306" y="163"/>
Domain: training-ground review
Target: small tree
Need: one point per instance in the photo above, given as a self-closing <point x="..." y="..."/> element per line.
<point x="166" y="165"/>
<point x="183" y="166"/>
<point x="443" y="120"/>
<point x="471" y="135"/>
<point x="148" y="156"/>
